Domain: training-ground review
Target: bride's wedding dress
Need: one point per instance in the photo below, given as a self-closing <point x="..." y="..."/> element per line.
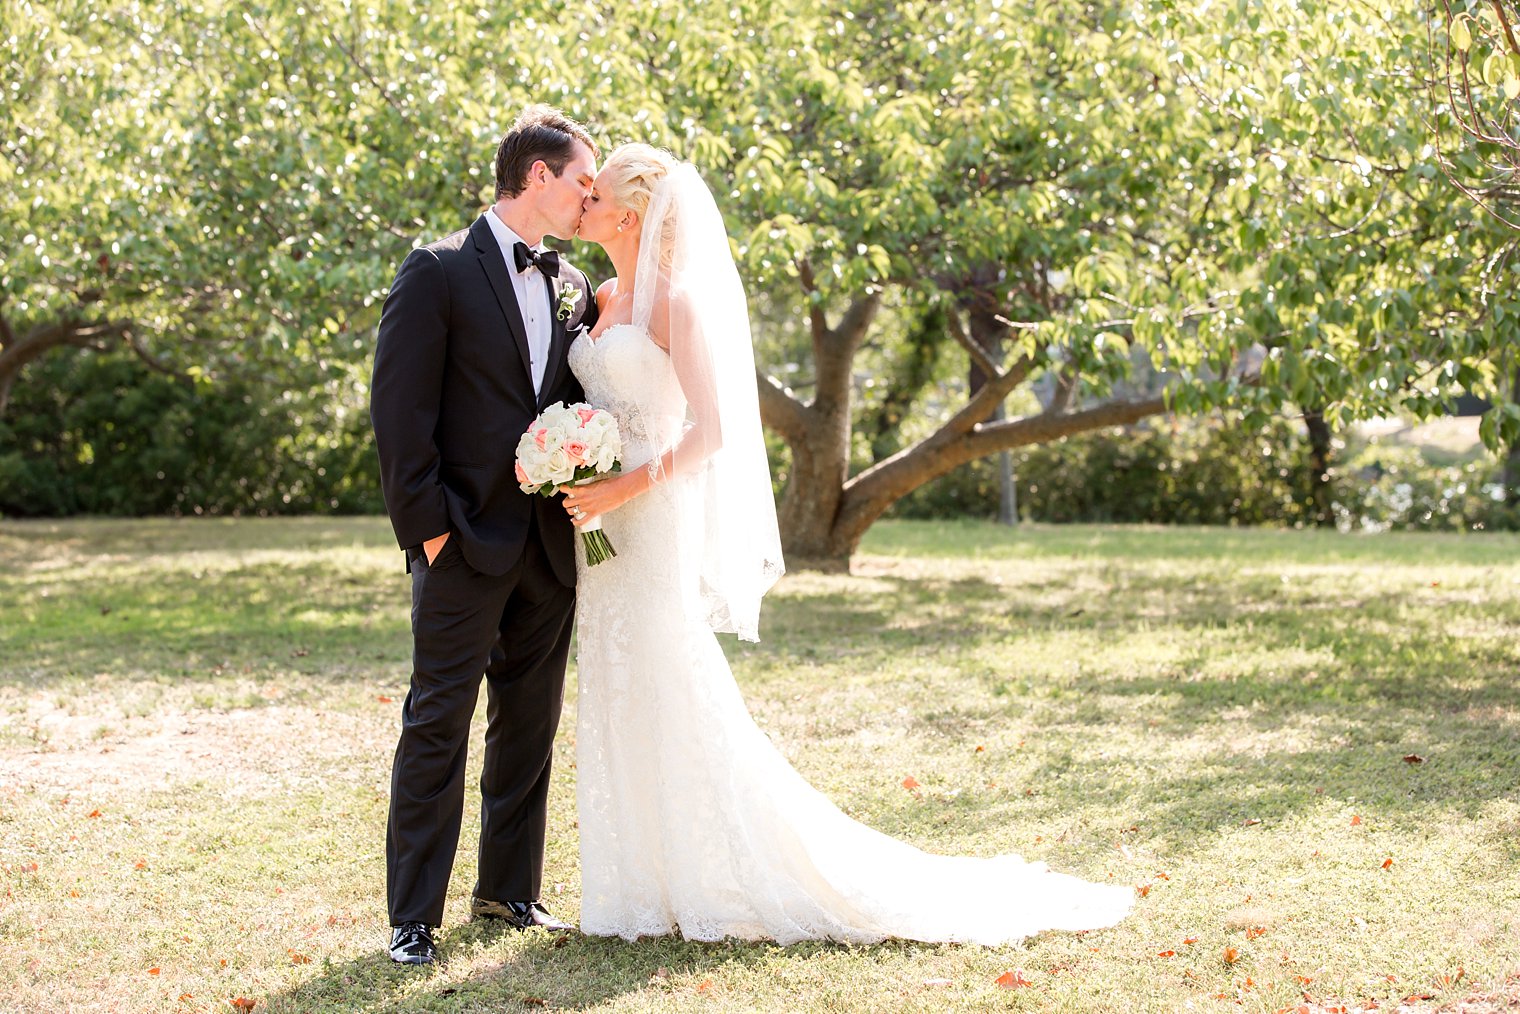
<point x="690" y="819"/>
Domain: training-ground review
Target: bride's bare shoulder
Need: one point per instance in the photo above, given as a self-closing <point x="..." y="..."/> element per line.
<point x="604" y="292"/>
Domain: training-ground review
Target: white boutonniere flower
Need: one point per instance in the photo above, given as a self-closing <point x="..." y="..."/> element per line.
<point x="569" y="295"/>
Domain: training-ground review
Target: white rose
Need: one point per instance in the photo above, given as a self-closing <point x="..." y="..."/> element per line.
<point x="558" y="466"/>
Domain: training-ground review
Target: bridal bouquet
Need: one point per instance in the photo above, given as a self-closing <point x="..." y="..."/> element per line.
<point x="565" y="446"/>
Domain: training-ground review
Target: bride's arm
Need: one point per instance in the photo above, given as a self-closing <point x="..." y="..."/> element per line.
<point x="673" y="327"/>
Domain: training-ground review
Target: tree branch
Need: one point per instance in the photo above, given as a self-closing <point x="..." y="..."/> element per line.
<point x="857" y="320"/>
<point x="834" y="355"/>
<point x="152" y="361"/>
<point x="1038" y="429"/>
<point x="869" y="494"/>
<point x="979" y="355"/>
<point x="780" y="410"/>
<point x="44" y="337"/>
<point x="814" y="305"/>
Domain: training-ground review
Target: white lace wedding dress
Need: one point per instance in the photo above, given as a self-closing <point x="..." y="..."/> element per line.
<point x="690" y="819"/>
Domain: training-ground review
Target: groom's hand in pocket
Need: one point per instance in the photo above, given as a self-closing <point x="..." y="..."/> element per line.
<point x="432" y="547"/>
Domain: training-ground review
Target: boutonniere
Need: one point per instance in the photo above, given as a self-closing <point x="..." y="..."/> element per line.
<point x="569" y="295"/>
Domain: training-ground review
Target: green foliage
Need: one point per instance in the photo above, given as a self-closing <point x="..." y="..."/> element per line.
<point x="1398" y="489"/>
<point x="101" y="434"/>
<point x="1219" y="472"/>
<point x="1146" y="186"/>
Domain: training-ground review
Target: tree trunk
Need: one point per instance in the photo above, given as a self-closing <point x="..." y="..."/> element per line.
<point x="1319" y="501"/>
<point x="824" y="511"/>
<point x="1008" y="491"/>
<point x="1511" y="478"/>
<point x="988" y="332"/>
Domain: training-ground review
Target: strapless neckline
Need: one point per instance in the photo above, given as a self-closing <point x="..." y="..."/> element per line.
<point x="621" y="324"/>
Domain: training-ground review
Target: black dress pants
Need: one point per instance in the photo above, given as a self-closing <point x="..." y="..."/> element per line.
<point x="515" y="629"/>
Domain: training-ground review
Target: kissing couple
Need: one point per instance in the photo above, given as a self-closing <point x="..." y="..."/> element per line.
<point x="690" y="819"/>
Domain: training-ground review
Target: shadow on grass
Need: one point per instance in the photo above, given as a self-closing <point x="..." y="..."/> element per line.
<point x="573" y="971"/>
<point x="1311" y="707"/>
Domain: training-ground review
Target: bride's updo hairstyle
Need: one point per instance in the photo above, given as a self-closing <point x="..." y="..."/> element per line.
<point x="633" y="171"/>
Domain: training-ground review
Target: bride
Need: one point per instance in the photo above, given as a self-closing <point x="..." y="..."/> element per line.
<point x="690" y="819"/>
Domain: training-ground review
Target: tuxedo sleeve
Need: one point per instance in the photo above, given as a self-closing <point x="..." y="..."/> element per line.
<point x="404" y="398"/>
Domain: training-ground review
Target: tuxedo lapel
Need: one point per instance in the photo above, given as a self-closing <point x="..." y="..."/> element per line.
<point x="558" y="346"/>
<point x="495" y="268"/>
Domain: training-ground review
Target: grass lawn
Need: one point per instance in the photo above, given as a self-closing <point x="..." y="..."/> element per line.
<point x="1302" y="748"/>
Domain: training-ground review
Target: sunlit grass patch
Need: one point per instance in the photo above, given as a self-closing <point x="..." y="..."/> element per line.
<point x="197" y="718"/>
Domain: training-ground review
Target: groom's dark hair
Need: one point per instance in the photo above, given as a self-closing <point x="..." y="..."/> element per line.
<point x="541" y="132"/>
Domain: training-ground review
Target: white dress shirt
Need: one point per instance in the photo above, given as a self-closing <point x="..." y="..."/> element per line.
<point x="532" y="297"/>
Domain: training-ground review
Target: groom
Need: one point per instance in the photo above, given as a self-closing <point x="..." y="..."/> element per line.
<point x="472" y="344"/>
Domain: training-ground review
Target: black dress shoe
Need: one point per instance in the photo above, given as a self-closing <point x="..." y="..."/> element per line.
<point x="412" y="944"/>
<point x="518" y="914"/>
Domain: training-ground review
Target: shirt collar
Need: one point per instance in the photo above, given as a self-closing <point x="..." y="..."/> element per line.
<point x="506" y="238"/>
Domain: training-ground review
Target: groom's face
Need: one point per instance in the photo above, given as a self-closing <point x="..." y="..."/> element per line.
<point x="560" y="197"/>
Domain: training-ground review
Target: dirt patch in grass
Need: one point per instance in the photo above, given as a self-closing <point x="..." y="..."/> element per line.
<point x="246" y="750"/>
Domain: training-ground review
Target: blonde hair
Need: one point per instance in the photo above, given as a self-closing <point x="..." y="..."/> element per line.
<point x="633" y="171"/>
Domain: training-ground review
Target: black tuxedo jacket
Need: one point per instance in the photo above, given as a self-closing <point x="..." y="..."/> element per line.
<point x="452" y="394"/>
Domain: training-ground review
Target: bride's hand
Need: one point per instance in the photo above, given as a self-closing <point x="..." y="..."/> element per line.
<point x="596" y="498"/>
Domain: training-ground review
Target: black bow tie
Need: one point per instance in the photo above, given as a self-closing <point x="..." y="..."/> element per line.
<point x="547" y="262"/>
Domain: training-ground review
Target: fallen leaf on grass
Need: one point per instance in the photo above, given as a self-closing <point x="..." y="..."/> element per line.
<point x="1388" y="863"/>
<point x="1143" y="889"/>
<point x="1231" y="955"/>
<point x="910" y="783"/>
<point x="243" y="1003"/>
<point x="1250" y="822"/>
<point x="1256" y="931"/>
<point x="1447" y="980"/>
<point x="1166" y="954"/>
<point x="385" y="700"/>
<point x="1190" y="940"/>
<point x="1303" y="980"/>
<point x="981" y="749"/>
<point x="1356" y="819"/>
<point x="1413" y="758"/>
<point x="142" y="864"/>
<point x="1013" y="979"/>
<point x="705" y="986"/>
<point x="153" y="971"/>
<point x="1163" y="876"/>
<point x="93" y="813"/>
<point x="299" y="959"/>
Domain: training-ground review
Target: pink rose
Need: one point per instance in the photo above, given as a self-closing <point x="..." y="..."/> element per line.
<point x="521" y="475"/>
<point x="577" y="451"/>
<point x="538" y="438"/>
<point x="586" y="414"/>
